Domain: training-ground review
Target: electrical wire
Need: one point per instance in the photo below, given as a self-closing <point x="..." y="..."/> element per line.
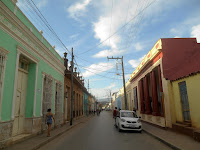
<point x="117" y="30"/>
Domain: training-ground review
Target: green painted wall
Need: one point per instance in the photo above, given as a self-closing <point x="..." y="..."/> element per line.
<point x="30" y="90"/>
<point x="29" y="25"/>
<point x="5" y="41"/>
<point x="10" y="44"/>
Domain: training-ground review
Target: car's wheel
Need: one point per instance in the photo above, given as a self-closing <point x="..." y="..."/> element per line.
<point x="119" y="128"/>
<point x="140" y="131"/>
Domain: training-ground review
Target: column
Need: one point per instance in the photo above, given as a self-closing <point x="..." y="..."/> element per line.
<point x="146" y="96"/>
<point x="141" y="96"/>
<point x="15" y="85"/>
<point x="160" y="79"/>
<point x="154" y="95"/>
<point x="41" y="98"/>
<point x="161" y="91"/>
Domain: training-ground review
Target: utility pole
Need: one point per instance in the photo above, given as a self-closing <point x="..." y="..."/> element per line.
<point x="88" y="86"/>
<point x="72" y="87"/>
<point x="125" y="98"/>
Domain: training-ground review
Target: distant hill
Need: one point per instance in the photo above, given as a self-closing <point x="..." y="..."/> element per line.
<point x="104" y="100"/>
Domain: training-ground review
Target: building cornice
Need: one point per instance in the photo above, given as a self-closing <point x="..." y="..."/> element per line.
<point x="23" y="51"/>
<point x="15" y="28"/>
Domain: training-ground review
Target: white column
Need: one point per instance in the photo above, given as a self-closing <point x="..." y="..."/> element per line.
<point x="15" y="85"/>
<point x="35" y="95"/>
<point x="43" y="76"/>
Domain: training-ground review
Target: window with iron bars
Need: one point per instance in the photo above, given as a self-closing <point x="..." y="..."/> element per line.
<point x="2" y="66"/>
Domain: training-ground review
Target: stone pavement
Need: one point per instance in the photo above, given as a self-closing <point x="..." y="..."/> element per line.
<point x="40" y="140"/>
<point x="171" y="138"/>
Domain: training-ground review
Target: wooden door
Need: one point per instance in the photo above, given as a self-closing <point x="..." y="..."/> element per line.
<point x="184" y="101"/>
<point x="20" y="103"/>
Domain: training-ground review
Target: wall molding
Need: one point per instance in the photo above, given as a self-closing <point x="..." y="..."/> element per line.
<point x="3" y="52"/>
<point x="16" y="29"/>
<point x="27" y="54"/>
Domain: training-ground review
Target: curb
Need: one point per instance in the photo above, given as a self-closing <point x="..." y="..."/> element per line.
<point x="52" y="138"/>
<point x="57" y="135"/>
<point x="161" y="140"/>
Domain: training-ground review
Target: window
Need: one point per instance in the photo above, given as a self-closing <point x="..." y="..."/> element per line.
<point x="3" y="57"/>
<point x="2" y="69"/>
<point x="135" y="98"/>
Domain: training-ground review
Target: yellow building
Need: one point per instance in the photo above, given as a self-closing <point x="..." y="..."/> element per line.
<point x="185" y="111"/>
<point x="164" y="87"/>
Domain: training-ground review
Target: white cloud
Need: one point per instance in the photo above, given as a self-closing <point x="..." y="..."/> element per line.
<point x="41" y="3"/>
<point x="110" y="22"/>
<point x="138" y="46"/>
<point x="73" y="36"/>
<point x="78" y="9"/>
<point x="97" y="68"/>
<point x="111" y="86"/>
<point x="176" y="37"/>
<point x="135" y="62"/>
<point x="196" y="32"/>
<point x="176" y="31"/>
<point x="105" y="53"/>
<point x="104" y="92"/>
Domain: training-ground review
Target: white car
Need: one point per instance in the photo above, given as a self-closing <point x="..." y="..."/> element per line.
<point x="128" y="120"/>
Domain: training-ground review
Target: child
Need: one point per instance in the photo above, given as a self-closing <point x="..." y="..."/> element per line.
<point x="49" y="117"/>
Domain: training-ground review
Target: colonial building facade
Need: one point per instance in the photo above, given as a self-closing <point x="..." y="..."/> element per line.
<point x="164" y="87"/>
<point x="86" y="103"/>
<point x="31" y="76"/>
<point x="78" y="88"/>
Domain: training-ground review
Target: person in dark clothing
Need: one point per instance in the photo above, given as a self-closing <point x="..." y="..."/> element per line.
<point x="134" y="110"/>
<point x="115" y="114"/>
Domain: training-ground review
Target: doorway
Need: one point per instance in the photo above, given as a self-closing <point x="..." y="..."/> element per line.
<point x="184" y="101"/>
<point x="19" y="118"/>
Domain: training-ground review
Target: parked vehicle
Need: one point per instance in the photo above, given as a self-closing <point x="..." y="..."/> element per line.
<point x="128" y="120"/>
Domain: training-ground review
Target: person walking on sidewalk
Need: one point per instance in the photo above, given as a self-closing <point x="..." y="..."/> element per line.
<point x="115" y="114"/>
<point x="49" y="117"/>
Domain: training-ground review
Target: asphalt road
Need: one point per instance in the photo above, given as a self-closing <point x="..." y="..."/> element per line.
<point x="99" y="133"/>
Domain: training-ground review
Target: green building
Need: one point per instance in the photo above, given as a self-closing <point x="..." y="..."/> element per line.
<point x="31" y="76"/>
<point x="85" y="103"/>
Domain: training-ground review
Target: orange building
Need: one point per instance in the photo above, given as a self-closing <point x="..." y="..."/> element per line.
<point x="78" y="88"/>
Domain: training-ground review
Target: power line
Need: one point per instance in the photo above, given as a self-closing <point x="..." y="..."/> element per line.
<point x="99" y="74"/>
<point x="50" y="28"/>
<point x="35" y="20"/>
<point x="47" y="24"/>
<point x="117" y="30"/>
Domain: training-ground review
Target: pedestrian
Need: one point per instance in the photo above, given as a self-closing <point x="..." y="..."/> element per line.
<point x="48" y="120"/>
<point x="115" y="114"/>
<point x="134" y="110"/>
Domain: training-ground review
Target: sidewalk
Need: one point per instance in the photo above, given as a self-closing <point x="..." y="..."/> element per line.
<point x="40" y="140"/>
<point x="170" y="138"/>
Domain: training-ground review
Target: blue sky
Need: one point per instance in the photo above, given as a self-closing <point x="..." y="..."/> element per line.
<point x="84" y="24"/>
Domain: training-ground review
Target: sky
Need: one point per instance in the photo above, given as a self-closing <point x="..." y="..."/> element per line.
<point x="97" y="29"/>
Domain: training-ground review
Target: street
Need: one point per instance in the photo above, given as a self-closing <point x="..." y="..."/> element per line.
<point x="99" y="133"/>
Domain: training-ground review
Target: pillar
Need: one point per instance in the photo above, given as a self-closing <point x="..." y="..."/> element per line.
<point x="141" y="96"/>
<point x="146" y="96"/>
<point x="154" y="95"/>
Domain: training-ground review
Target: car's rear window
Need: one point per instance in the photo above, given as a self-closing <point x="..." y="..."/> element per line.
<point x="128" y="114"/>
